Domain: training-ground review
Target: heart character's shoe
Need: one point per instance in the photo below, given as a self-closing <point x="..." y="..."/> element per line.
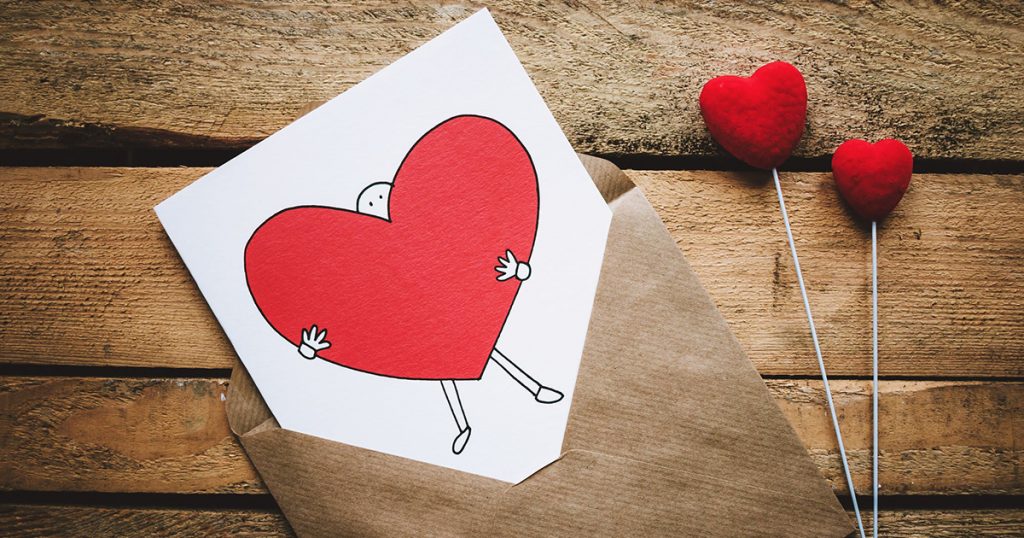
<point x="548" y="396"/>
<point x="461" y="440"/>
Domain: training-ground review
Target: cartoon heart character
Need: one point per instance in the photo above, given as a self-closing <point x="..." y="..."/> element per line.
<point x="406" y="285"/>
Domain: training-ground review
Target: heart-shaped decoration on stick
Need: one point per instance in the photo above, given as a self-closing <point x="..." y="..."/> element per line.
<point x="410" y="291"/>
<point x="758" y="119"/>
<point x="872" y="177"/>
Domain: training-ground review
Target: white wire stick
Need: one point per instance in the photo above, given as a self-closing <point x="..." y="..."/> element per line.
<point x="874" y="380"/>
<point x="817" y="351"/>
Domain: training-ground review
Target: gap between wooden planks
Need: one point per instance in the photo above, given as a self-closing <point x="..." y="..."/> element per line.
<point x="33" y="520"/>
<point x="88" y="276"/>
<point x="172" y="436"/>
<point x="621" y="79"/>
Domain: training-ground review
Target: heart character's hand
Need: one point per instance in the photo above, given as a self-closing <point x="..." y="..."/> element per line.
<point x="313" y="341"/>
<point x="511" y="268"/>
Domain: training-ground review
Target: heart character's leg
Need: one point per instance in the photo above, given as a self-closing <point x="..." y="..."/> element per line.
<point x="540" y="393"/>
<point x="455" y="404"/>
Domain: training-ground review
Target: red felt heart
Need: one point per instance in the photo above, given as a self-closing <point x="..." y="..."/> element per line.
<point x="759" y="119"/>
<point x="872" y="177"/>
<point x="416" y="296"/>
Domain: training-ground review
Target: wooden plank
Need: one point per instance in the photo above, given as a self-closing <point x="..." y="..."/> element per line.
<point x="88" y="277"/>
<point x="948" y="523"/>
<point x="170" y="435"/>
<point x="935" y="437"/>
<point x="25" y="520"/>
<point x="120" y="435"/>
<point x="620" y="79"/>
<point x="22" y="520"/>
<point x="951" y="270"/>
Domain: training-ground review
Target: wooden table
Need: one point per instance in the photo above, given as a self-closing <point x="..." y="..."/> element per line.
<point x="114" y="372"/>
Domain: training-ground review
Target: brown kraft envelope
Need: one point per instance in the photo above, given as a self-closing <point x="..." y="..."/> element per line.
<point x="671" y="430"/>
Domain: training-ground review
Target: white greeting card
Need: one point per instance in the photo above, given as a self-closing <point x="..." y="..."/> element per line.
<point x="410" y="268"/>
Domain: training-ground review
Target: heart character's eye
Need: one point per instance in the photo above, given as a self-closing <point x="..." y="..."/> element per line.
<point x="381" y="197"/>
<point x="371" y="204"/>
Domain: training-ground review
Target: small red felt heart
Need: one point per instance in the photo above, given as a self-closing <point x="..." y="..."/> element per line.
<point x="872" y="177"/>
<point x="759" y="119"/>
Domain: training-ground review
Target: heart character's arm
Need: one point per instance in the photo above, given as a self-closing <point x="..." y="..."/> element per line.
<point x="313" y="341"/>
<point x="511" y="268"/>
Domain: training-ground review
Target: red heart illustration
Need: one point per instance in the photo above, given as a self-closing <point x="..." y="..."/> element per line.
<point x="759" y="119"/>
<point x="872" y="177"/>
<point x="415" y="296"/>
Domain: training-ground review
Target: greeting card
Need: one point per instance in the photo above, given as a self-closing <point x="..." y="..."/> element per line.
<point x="410" y="268"/>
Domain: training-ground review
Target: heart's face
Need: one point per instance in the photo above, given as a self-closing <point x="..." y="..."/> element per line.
<point x="759" y="119"/>
<point x="416" y="296"/>
<point x="872" y="177"/>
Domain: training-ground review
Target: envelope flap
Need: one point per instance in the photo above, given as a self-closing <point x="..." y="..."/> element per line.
<point x="663" y="381"/>
<point x="608" y="178"/>
<point x="246" y="409"/>
<point x="326" y="488"/>
<point x="641" y="499"/>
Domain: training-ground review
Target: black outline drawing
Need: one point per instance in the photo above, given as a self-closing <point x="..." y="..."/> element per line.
<point x="313" y="340"/>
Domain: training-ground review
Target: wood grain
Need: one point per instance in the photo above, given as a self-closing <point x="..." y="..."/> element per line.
<point x="21" y="520"/>
<point x="24" y="520"/>
<point x="950" y="523"/>
<point x="620" y="79"/>
<point x="171" y="436"/>
<point x="88" y="277"/>
<point x="951" y="270"/>
<point x="933" y="435"/>
<point x="120" y="435"/>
